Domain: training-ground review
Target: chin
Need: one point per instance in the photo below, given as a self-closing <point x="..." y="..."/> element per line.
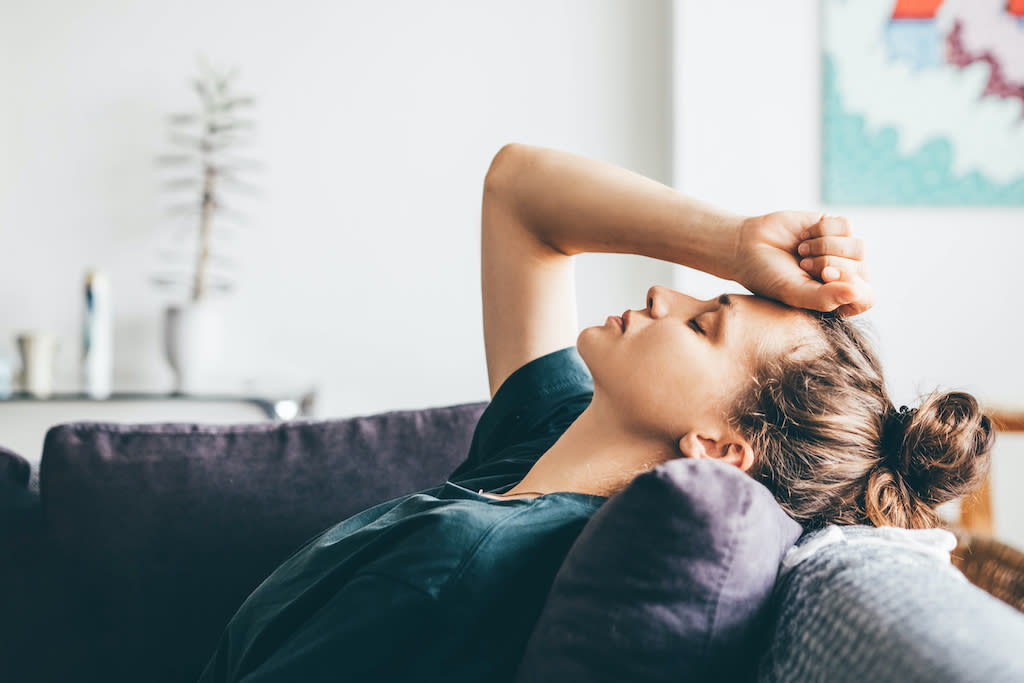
<point x="588" y="346"/>
<point x="585" y="340"/>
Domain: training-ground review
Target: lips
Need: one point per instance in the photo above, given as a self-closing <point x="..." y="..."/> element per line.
<point x="619" y="322"/>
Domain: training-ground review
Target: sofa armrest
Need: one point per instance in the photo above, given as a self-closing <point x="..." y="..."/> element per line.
<point x="164" y="529"/>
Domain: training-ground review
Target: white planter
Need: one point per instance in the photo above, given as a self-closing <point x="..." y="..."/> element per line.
<point x="194" y="342"/>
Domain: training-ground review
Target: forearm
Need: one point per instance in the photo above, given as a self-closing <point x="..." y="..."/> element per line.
<point x="575" y="204"/>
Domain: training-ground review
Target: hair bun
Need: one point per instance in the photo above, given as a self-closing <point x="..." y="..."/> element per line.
<point x="942" y="447"/>
<point x="894" y="429"/>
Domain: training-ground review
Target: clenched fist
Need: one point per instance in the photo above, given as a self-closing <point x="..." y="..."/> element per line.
<point x="804" y="259"/>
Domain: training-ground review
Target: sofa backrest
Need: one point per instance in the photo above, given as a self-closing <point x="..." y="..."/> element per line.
<point x="151" y="536"/>
<point x="14" y="472"/>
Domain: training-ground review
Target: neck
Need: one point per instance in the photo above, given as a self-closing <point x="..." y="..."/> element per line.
<point x="595" y="455"/>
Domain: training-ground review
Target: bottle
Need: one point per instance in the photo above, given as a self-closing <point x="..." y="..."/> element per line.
<point x="97" y="336"/>
<point x="6" y="377"/>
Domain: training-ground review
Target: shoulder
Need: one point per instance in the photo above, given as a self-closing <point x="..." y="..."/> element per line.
<point x="472" y="544"/>
<point x="530" y="538"/>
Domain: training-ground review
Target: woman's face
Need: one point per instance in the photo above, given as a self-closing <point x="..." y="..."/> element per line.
<point x="680" y="362"/>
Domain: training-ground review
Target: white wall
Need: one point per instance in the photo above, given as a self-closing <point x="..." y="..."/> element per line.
<point x="748" y="94"/>
<point x="360" y="267"/>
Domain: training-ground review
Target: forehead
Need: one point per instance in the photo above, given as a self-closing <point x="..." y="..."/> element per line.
<point x="758" y="306"/>
<point x="766" y="326"/>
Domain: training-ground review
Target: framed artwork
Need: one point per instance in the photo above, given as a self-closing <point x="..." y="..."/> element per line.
<point x="923" y="102"/>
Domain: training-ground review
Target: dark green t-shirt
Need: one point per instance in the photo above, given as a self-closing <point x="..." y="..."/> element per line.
<point x="444" y="584"/>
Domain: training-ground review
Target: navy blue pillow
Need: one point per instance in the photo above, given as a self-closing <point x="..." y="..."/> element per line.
<point x="669" y="581"/>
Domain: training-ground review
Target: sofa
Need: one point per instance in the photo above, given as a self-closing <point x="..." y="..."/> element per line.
<point x="126" y="554"/>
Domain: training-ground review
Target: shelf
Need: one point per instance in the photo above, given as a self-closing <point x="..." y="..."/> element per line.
<point x="275" y="407"/>
<point x="25" y="419"/>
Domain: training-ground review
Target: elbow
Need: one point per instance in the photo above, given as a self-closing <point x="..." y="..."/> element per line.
<point x="503" y="167"/>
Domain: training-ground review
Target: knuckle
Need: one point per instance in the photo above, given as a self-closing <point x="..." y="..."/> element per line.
<point x="836" y="225"/>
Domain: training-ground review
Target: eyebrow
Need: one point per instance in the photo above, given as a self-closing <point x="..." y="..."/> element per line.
<point x="724" y="300"/>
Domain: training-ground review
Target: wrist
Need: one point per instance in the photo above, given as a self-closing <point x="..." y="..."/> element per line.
<point x="724" y="258"/>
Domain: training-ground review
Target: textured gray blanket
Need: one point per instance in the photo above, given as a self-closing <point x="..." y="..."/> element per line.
<point x="860" y="610"/>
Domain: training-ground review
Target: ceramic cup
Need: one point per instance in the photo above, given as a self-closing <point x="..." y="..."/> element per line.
<point x="38" y="351"/>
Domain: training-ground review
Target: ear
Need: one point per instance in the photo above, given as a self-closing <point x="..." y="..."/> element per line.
<point x="731" y="449"/>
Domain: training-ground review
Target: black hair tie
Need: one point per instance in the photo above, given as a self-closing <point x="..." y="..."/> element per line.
<point x="893" y="431"/>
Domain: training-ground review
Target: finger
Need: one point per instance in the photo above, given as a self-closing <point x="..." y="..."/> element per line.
<point x="847" y="310"/>
<point x="851" y="294"/>
<point x="846" y="247"/>
<point x="829" y="225"/>
<point x="816" y="296"/>
<point x="865" y="300"/>
<point x="827" y="268"/>
<point x="862" y="297"/>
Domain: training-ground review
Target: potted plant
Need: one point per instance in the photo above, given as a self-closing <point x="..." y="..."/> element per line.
<point x="204" y="170"/>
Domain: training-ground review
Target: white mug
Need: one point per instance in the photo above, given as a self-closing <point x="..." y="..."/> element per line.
<point x="38" y="358"/>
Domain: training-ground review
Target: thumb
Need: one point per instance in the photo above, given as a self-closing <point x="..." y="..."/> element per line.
<point x="816" y="296"/>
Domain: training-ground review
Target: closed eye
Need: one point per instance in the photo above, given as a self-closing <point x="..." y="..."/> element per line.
<point x="696" y="326"/>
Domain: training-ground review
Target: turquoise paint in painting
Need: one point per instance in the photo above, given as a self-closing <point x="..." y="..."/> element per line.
<point x="861" y="167"/>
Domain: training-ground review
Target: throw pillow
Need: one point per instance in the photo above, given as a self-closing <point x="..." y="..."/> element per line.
<point x="669" y="581"/>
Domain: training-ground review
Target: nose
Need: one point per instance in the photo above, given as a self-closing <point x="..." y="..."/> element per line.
<point x="661" y="300"/>
<point x="657" y="301"/>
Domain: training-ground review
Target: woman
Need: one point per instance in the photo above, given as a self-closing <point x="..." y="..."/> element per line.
<point x="447" y="583"/>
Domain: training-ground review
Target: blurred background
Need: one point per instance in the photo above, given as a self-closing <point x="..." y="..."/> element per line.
<point x="355" y="270"/>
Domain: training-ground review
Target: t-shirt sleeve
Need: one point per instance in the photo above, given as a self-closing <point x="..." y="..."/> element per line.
<point x="528" y="413"/>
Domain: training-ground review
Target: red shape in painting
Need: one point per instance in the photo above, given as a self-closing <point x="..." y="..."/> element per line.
<point x="916" y="9"/>
<point x="1016" y="7"/>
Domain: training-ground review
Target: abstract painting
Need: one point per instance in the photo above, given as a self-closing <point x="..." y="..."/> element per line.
<point x="923" y="102"/>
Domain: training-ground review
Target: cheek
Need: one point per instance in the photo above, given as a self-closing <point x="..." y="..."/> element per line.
<point x="682" y="377"/>
<point x="665" y="370"/>
<point x="663" y="354"/>
<point x="650" y="374"/>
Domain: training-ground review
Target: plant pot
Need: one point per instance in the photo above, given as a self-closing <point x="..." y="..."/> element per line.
<point x="194" y="344"/>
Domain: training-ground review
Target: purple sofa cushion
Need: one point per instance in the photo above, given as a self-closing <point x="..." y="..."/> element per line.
<point x="14" y="472"/>
<point x="160" y="531"/>
<point x="669" y="581"/>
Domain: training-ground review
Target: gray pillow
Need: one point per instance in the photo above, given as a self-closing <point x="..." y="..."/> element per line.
<point x="669" y="581"/>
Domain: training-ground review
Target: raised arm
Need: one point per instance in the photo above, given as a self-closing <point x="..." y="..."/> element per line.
<point x="543" y="206"/>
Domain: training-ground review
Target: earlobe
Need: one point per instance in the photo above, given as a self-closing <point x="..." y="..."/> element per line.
<point x="738" y="453"/>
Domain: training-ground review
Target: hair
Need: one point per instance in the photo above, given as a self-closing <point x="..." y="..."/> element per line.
<point x="833" y="449"/>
